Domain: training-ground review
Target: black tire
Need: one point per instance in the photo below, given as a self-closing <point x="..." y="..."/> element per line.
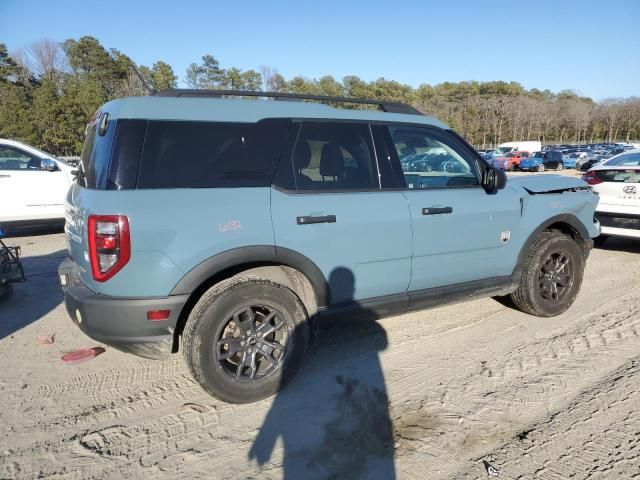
<point x="239" y="310"/>
<point x="5" y="291"/>
<point x="512" y="167"/>
<point x="542" y="270"/>
<point x="600" y="240"/>
<point x="541" y="168"/>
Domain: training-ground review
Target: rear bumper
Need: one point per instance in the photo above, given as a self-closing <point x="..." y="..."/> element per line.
<point x="120" y="322"/>
<point x="619" y="224"/>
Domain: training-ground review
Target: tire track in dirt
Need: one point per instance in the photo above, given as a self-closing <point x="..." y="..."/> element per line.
<point x="473" y="413"/>
<point x="597" y="435"/>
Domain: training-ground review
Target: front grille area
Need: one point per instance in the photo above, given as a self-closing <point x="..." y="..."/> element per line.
<point x="619" y="220"/>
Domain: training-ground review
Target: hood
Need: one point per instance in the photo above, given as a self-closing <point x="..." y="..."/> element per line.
<point x="535" y="184"/>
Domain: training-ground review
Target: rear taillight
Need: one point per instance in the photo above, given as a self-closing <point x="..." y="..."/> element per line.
<point x="109" y="245"/>
<point x="591" y="178"/>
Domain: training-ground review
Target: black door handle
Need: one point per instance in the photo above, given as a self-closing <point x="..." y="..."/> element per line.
<point x="436" y="210"/>
<point x="309" y="219"/>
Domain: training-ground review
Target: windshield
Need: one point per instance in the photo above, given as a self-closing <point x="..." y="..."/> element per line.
<point x="538" y="155"/>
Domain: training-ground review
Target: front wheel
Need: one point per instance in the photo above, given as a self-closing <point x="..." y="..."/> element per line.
<point x="245" y="339"/>
<point x="560" y="166"/>
<point x="551" y="275"/>
<point x="512" y="167"/>
<point x="541" y="168"/>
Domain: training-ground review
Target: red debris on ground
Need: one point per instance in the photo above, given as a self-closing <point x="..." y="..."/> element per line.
<point x="82" y="355"/>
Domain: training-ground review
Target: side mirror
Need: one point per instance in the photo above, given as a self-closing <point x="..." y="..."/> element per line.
<point x="494" y="179"/>
<point x="48" y="165"/>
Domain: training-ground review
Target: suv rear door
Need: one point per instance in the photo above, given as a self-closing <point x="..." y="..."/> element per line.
<point x="460" y="233"/>
<point x="328" y="205"/>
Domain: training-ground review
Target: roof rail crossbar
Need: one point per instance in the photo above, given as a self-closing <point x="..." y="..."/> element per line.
<point x="391" y="107"/>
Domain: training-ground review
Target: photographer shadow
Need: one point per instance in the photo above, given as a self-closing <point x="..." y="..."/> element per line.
<point x="333" y="419"/>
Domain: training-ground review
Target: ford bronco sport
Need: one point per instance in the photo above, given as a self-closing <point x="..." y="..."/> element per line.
<point x="226" y="227"/>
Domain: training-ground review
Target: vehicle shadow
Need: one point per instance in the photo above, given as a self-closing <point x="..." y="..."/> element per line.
<point x="33" y="299"/>
<point x="617" y="244"/>
<point x="333" y="419"/>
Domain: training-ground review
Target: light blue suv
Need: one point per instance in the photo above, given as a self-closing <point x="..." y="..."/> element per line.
<point x="227" y="227"/>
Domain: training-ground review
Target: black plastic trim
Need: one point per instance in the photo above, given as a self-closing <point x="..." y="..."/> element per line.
<point x="391" y="107"/>
<point x="254" y="254"/>
<point x="572" y="221"/>
<point x="384" y="306"/>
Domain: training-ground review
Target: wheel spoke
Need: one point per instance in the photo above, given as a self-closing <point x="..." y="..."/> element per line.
<point x="234" y="346"/>
<point x="247" y="325"/>
<point x="563" y="280"/>
<point x="241" y="365"/>
<point x="273" y="344"/>
<point x="268" y="328"/>
<point x="253" y="366"/>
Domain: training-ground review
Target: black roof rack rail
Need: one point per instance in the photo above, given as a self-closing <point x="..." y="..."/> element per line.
<point x="391" y="107"/>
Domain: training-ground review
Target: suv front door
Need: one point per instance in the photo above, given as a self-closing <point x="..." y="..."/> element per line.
<point x="460" y="233"/>
<point x="26" y="191"/>
<point x="328" y="206"/>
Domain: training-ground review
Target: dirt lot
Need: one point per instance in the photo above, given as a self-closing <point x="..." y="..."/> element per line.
<point x="536" y="398"/>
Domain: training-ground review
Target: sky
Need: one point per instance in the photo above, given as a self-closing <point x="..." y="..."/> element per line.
<point x="589" y="46"/>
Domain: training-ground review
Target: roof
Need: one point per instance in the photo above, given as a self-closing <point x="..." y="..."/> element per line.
<point x="239" y="110"/>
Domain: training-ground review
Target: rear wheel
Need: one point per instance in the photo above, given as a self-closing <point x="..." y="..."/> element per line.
<point x="560" y="166"/>
<point x="245" y="338"/>
<point x="512" y="167"/>
<point x="551" y="276"/>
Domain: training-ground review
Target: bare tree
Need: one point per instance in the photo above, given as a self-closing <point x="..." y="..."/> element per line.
<point x="44" y="58"/>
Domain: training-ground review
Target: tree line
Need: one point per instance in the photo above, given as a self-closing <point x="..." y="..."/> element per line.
<point x="49" y="91"/>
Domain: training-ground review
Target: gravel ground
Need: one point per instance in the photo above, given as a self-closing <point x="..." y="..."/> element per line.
<point x="430" y="395"/>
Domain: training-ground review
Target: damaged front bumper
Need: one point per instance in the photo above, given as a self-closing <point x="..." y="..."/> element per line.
<point x="120" y="322"/>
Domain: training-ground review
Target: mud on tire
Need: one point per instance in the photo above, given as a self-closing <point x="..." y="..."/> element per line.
<point x="245" y="339"/>
<point x="551" y="276"/>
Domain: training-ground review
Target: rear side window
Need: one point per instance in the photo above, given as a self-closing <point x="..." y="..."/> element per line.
<point x="178" y="154"/>
<point x="334" y="156"/>
<point x="95" y="156"/>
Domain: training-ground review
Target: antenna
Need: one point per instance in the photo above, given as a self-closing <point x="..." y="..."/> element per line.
<point x="141" y="78"/>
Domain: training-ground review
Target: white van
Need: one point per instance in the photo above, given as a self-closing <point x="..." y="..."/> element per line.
<point x="528" y="146"/>
<point x="33" y="185"/>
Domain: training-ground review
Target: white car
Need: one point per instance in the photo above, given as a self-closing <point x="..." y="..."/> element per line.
<point x="33" y="185"/>
<point x="617" y="181"/>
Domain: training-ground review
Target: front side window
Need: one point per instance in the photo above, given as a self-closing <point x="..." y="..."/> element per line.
<point x="14" y="159"/>
<point x="334" y="156"/>
<point x="430" y="160"/>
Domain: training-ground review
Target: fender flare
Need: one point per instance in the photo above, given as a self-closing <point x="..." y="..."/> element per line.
<point x="566" y="218"/>
<point x="255" y="254"/>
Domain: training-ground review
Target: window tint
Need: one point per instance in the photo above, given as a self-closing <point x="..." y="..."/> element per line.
<point x="126" y="152"/>
<point x="210" y="154"/>
<point x="336" y="156"/>
<point x="430" y="160"/>
<point x="95" y="155"/>
<point x="14" y="159"/>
